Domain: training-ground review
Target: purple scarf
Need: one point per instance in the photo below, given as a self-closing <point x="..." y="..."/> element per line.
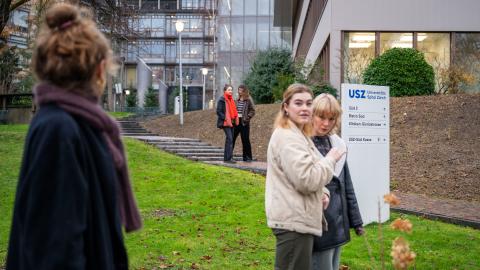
<point x="93" y="114"/>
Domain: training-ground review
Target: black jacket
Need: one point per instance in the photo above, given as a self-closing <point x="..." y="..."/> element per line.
<point x="341" y="214"/>
<point x="65" y="214"/>
<point x="220" y="112"/>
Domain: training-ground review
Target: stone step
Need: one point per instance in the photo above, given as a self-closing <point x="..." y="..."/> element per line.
<point x="169" y="139"/>
<point x="193" y="147"/>
<point x="178" y="151"/>
<point x="207" y="159"/>
<point x="130" y="126"/>
<point x="134" y="129"/>
<point x="137" y="134"/>
<point x="193" y="154"/>
<point x="170" y="143"/>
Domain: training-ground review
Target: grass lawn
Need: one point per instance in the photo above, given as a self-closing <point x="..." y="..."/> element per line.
<point x="198" y="216"/>
<point x="120" y="115"/>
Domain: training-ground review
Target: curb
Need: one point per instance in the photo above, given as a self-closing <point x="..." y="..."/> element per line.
<point x="432" y="216"/>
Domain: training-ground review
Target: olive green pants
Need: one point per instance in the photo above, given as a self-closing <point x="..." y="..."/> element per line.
<point x="293" y="250"/>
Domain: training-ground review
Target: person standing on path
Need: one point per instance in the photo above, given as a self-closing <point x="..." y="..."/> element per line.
<point x="73" y="193"/>
<point x="342" y="212"/>
<point x="227" y="119"/>
<point x="295" y="182"/>
<point x="246" y="111"/>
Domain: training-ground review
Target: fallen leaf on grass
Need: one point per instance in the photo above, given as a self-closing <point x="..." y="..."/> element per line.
<point x="206" y="257"/>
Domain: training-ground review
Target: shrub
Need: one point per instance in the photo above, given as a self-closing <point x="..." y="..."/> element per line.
<point x="151" y="98"/>
<point x="404" y="70"/>
<point x="318" y="89"/>
<point x="264" y="73"/>
<point x="132" y="98"/>
<point x="283" y="81"/>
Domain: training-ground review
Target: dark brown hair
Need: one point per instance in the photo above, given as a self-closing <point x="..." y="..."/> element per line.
<point x="69" y="49"/>
<point x="226" y="87"/>
<point x="246" y="93"/>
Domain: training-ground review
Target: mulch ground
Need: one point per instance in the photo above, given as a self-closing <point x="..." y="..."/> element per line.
<point x="435" y="141"/>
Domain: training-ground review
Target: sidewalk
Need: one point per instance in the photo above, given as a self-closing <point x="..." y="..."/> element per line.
<point x="458" y="212"/>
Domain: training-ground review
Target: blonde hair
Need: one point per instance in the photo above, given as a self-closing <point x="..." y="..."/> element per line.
<point x="326" y="106"/>
<point x="282" y="118"/>
<point x="69" y="49"/>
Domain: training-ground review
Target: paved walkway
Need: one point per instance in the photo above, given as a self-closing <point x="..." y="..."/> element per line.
<point x="452" y="211"/>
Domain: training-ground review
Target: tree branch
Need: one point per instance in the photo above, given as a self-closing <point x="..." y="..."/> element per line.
<point x="17" y="4"/>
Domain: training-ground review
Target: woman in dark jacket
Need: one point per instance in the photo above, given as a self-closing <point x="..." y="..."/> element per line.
<point x="227" y="119"/>
<point x="73" y="192"/>
<point x="246" y="111"/>
<point x="342" y="212"/>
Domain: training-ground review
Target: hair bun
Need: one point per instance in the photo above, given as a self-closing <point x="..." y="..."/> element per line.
<point x="60" y="14"/>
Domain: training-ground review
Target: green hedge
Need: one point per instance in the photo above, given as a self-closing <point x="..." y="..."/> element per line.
<point x="404" y="70"/>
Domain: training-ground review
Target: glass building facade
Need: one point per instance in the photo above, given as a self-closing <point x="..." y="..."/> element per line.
<point x="245" y="27"/>
<point x="222" y="35"/>
<point x="153" y="38"/>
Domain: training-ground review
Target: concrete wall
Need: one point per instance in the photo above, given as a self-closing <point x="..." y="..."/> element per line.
<point x="406" y="15"/>
<point x="19" y="115"/>
<point x="389" y="15"/>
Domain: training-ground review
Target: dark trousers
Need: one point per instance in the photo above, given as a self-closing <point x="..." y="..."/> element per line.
<point x="293" y="250"/>
<point x="228" y="152"/>
<point x="244" y="132"/>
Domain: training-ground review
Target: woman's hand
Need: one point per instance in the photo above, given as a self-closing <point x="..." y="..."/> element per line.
<point x="336" y="153"/>
<point x="325" y="201"/>
<point x="359" y="230"/>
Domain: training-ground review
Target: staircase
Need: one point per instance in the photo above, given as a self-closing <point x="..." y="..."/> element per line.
<point x="193" y="149"/>
<point x="132" y="128"/>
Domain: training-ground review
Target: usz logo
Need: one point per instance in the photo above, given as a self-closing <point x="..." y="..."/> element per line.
<point x="356" y="93"/>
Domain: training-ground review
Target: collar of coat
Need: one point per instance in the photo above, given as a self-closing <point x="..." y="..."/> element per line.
<point x="340" y="144"/>
<point x="334" y="139"/>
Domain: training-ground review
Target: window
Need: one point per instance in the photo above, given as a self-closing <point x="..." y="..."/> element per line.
<point x="170" y="74"/>
<point x="262" y="35"/>
<point x="467" y="59"/>
<point x="436" y="48"/>
<point x="157" y="74"/>
<point x="170" y="51"/>
<point x="251" y="7"/>
<point x="192" y="49"/>
<point x="208" y="52"/>
<point x="131" y="77"/>
<point x="237" y="7"/>
<point x="358" y="51"/>
<point x="263" y="7"/>
<point x="237" y="34"/>
<point x="250" y="36"/>
<point x="395" y="40"/>
<point x="158" y="49"/>
<point x="132" y="51"/>
<point x="158" y="26"/>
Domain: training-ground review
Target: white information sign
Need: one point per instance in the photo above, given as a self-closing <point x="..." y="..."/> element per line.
<point x="366" y="131"/>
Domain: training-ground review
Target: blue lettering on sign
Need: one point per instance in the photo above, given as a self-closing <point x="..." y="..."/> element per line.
<point x="356" y="93"/>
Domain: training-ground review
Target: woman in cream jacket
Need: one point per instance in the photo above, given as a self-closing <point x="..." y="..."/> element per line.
<point x="296" y="179"/>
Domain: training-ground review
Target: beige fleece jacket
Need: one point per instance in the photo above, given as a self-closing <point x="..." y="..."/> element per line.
<point x="296" y="179"/>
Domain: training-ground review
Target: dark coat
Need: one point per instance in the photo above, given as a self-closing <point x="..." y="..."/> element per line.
<point x="65" y="214"/>
<point x="220" y="112"/>
<point x="248" y="111"/>
<point x="341" y="214"/>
